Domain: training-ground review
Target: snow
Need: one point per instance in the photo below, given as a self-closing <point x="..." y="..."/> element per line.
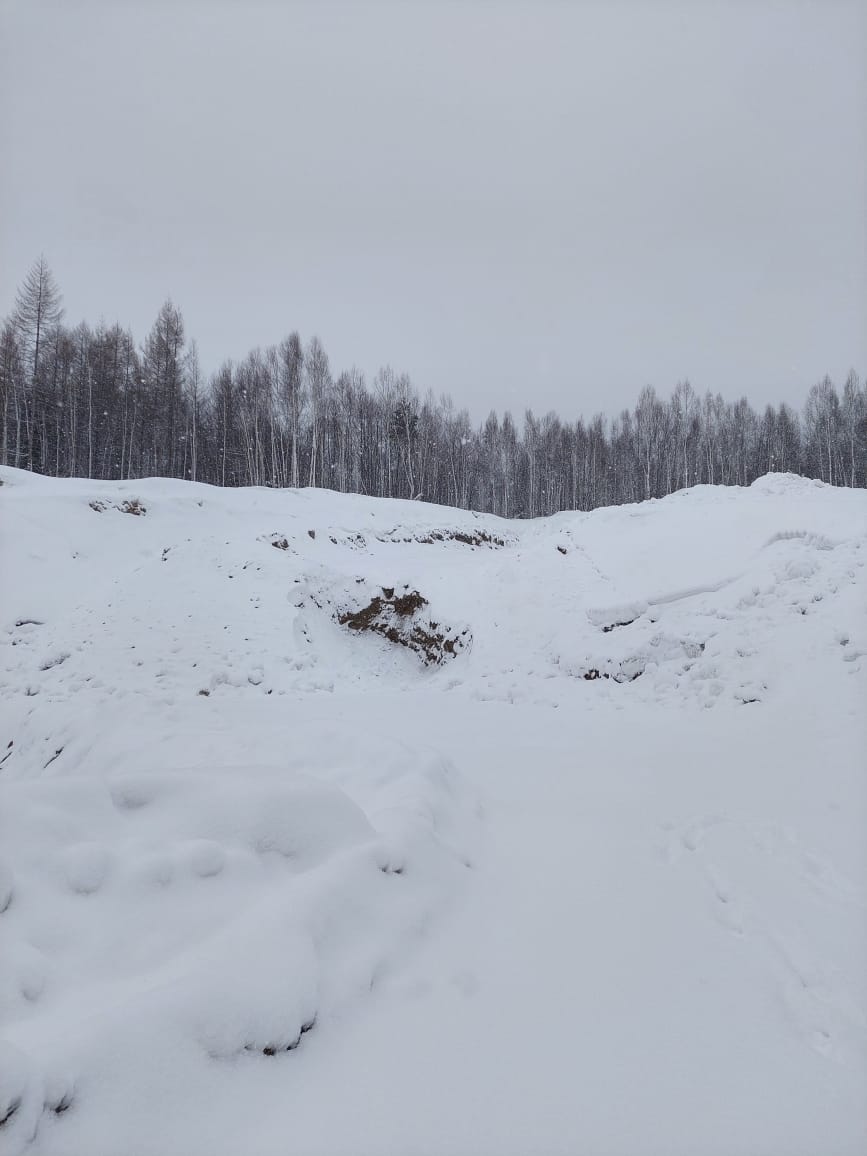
<point x="591" y="881"/>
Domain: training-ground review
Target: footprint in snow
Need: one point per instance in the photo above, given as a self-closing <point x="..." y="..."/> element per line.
<point x="728" y="911"/>
<point x="693" y="836"/>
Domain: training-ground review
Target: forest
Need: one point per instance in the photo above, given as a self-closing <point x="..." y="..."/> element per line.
<point x="91" y="402"/>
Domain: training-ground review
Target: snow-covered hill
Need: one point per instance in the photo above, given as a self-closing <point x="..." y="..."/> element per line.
<point x="338" y="825"/>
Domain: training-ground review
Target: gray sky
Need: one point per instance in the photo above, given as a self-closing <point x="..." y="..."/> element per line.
<point x="519" y="204"/>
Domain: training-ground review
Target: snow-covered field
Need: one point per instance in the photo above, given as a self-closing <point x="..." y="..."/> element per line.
<point x="581" y="869"/>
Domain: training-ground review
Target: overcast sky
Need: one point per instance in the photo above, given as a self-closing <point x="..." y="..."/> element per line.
<point x="519" y="204"/>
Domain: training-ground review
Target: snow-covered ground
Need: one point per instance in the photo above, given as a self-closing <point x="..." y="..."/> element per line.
<point x="582" y="869"/>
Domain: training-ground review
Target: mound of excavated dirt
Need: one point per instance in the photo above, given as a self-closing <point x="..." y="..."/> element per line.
<point x="403" y="620"/>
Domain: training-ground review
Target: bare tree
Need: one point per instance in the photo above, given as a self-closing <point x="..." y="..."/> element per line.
<point x="193" y="377"/>
<point x="318" y="380"/>
<point x="163" y="370"/>
<point x="81" y="400"/>
<point x="853" y="413"/>
<point x="38" y="308"/>
<point x="291" y="383"/>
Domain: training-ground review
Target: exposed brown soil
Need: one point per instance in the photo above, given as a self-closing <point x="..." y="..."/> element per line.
<point x="407" y="604"/>
<point x="362" y="619"/>
<point x="466" y="538"/>
<point x="397" y="618"/>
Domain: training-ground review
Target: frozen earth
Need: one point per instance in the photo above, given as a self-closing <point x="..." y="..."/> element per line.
<point x="338" y="825"/>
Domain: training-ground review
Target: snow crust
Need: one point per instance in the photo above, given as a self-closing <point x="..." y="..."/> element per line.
<point x="596" y="883"/>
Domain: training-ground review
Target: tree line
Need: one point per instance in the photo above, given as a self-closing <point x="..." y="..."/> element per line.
<point x="91" y="402"/>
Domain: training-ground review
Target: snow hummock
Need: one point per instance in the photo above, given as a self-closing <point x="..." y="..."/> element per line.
<point x="591" y="878"/>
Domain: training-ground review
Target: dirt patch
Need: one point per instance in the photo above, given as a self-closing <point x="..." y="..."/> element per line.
<point x="407" y="604"/>
<point x="354" y="541"/>
<point x="616" y="625"/>
<point x="618" y="674"/>
<point x="278" y="540"/>
<point x="55" y="660"/>
<point x="363" y="619"/>
<point x="465" y="537"/>
<point x="129" y="506"/>
<point x="401" y="619"/>
<point x="290" y="1046"/>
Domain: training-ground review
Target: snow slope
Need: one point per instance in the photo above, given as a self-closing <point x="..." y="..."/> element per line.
<point x="590" y="880"/>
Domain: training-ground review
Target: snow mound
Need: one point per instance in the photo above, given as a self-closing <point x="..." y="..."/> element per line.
<point x="254" y="864"/>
